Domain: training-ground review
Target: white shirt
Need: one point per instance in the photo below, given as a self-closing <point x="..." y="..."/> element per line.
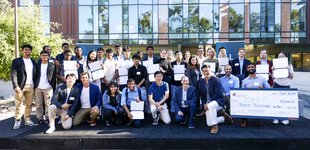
<point x="285" y="81"/>
<point x="43" y="84"/>
<point x="85" y="98"/>
<point x="184" y="97"/>
<point x="29" y="70"/>
<point x="68" y="93"/>
<point x="109" y="68"/>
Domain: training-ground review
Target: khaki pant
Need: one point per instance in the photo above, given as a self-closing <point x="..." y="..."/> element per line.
<point x="27" y="94"/>
<point x="53" y="111"/>
<point x="82" y="113"/>
<point x="42" y="98"/>
<point x="163" y="114"/>
<point x="211" y="114"/>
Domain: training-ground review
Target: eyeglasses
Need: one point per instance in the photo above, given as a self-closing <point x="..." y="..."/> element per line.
<point x="45" y="55"/>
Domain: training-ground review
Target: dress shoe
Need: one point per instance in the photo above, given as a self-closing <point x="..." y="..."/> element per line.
<point x="214" y="129"/>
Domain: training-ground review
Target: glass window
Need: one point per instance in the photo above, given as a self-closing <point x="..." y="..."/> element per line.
<point x="45" y="17"/>
<point x="236" y="17"/>
<point x="125" y="19"/>
<point x="145" y="1"/>
<point x="175" y="1"/>
<point x="306" y="62"/>
<point x="163" y="19"/>
<point x="115" y="24"/>
<point x="85" y="2"/>
<point x="103" y="2"/>
<point x="155" y="19"/>
<point x="267" y="16"/>
<point x="145" y="19"/>
<point x="216" y="22"/>
<point x="115" y="2"/>
<point x="185" y="18"/>
<point x="255" y="17"/>
<point x="175" y="18"/>
<point x="133" y="19"/>
<point x="86" y="19"/>
<point x="205" y="18"/>
<point x="193" y="18"/>
<point x="297" y="61"/>
<point x="103" y="19"/>
<point x="45" y="2"/>
<point x="277" y="26"/>
<point x="298" y="17"/>
<point x="26" y="2"/>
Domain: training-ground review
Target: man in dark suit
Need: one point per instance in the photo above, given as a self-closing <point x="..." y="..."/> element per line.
<point x="89" y="103"/>
<point x="239" y="65"/>
<point x="44" y="84"/>
<point x="23" y="76"/>
<point x="64" y="96"/>
<point x="185" y="102"/>
<point x="211" y="94"/>
<point x="150" y="55"/>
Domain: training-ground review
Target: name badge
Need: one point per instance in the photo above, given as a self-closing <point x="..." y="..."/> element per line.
<point x="51" y="61"/>
<point x="138" y="73"/>
<point x="236" y="64"/>
<point x="256" y="84"/>
<point x="230" y="82"/>
<point x="71" y="99"/>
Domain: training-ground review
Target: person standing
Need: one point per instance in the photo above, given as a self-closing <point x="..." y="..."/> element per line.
<point x="239" y="65"/>
<point x="265" y="61"/>
<point x="44" y="84"/>
<point x="23" y="76"/>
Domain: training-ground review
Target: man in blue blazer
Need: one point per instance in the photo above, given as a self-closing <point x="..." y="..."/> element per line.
<point x="150" y="55"/>
<point x="239" y="65"/>
<point x="89" y="103"/>
<point x="185" y="102"/>
<point x="211" y="94"/>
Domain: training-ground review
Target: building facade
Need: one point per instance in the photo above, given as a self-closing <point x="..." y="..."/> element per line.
<point x="272" y="24"/>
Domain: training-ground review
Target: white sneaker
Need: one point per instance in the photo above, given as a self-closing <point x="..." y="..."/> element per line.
<point x="17" y="124"/>
<point x="30" y="123"/>
<point x="50" y="130"/>
<point x="276" y="121"/>
<point x="285" y="122"/>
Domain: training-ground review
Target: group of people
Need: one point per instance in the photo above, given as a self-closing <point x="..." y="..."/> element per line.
<point x="77" y="98"/>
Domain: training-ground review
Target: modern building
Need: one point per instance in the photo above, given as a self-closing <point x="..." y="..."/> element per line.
<point x="186" y="24"/>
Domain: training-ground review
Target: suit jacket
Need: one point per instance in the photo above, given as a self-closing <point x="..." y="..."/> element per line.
<point x="192" y="76"/>
<point x="60" y="97"/>
<point x="215" y="90"/>
<point x="235" y="66"/>
<point x="270" y="80"/>
<point x="191" y="97"/>
<point x="155" y="59"/>
<point x="94" y="96"/>
<point x="18" y="72"/>
<point x="50" y="73"/>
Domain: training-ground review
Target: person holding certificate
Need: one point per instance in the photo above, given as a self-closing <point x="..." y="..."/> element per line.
<point x="132" y="94"/>
<point x="283" y="82"/>
<point x="165" y="66"/>
<point x="110" y="69"/>
<point x="212" y="61"/>
<point x="91" y="58"/>
<point x="265" y="61"/>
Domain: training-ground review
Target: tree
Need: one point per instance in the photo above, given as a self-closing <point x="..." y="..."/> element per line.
<point x="235" y="21"/>
<point x="31" y="31"/>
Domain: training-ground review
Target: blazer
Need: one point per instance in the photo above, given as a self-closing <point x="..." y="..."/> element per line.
<point x="215" y="90"/>
<point x="155" y="59"/>
<point x="192" y="76"/>
<point x="50" y="73"/>
<point x="191" y="97"/>
<point x="18" y="72"/>
<point x="60" y="97"/>
<point x="236" y="68"/>
<point x="106" y="101"/>
<point x="270" y="80"/>
<point x="94" y="96"/>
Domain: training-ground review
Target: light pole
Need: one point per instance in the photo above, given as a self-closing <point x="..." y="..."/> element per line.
<point x="16" y="29"/>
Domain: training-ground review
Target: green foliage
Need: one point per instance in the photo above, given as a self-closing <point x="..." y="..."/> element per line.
<point x="31" y="31"/>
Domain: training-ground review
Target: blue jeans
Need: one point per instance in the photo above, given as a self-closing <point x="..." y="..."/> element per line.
<point x="173" y="89"/>
<point x="188" y="110"/>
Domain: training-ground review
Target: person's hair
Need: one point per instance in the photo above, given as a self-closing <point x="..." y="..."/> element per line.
<point x="183" y="77"/>
<point x="214" y="52"/>
<point x="116" y="46"/>
<point x="84" y="73"/>
<point x="88" y="57"/>
<point x="190" y="62"/>
<point x="158" y="72"/>
<point x="222" y="47"/>
<point x="241" y="48"/>
<point x="63" y="44"/>
<point x="109" y="50"/>
<point x="250" y="64"/>
<point x="125" y="48"/>
<point x="283" y="52"/>
<point x="150" y="47"/>
<point x="200" y="48"/>
<point x="130" y="80"/>
<point x="45" y="46"/>
<point x="75" y="48"/>
<point x="136" y="56"/>
<point x="45" y="52"/>
<point x="178" y="51"/>
<point x="100" y="49"/>
<point x="67" y="51"/>
<point x="139" y="52"/>
<point x="205" y="66"/>
<point x="70" y="75"/>
<point x="112" y="83"/>
<point x="27" y="46"/>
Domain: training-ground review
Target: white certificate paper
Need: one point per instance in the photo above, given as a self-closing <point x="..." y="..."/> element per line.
<point x="151" y="77"/>
<point x="153" y="68"/>
<point x="95" y="66"/>
<point x="123" y="80"/>
<point x="178" y="77"/>
<point x="264" y="75"/>
<point x="177" y="69"/>
<point x="137" y="114"/>
<point x="137" y="105"/>
<point x="97" y="74"/>
<point x="223" y="61"/>
<point x="280" y="73"/>
<point x="147" y="63"/>
<point x="262" y="68"/>
<point x="122" y="72"/>
<point x="212" y="65"/>
<point x="280" y="63"/>
<point x="70" y="65"/>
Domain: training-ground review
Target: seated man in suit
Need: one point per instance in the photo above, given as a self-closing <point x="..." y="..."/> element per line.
<point x="185" y="102"/>
<point x="211" y="94"/>
<point x="64" y="96"/>
<point x="89" y="103"/>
